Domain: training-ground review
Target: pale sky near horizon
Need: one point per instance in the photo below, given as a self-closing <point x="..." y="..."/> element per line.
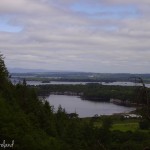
<point x="110" y="36"/>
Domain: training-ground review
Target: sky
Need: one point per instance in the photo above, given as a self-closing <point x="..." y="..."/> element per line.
<point x="105" y="36"/>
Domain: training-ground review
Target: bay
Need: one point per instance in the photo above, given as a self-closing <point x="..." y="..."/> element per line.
<point x="86" y="108"/>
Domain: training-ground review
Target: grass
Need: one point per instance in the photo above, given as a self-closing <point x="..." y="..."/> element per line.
<point x="125" y="126"/>
<point x="121" y="125"/>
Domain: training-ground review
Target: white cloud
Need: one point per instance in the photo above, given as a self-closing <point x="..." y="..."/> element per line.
<point x="56" y="37"/>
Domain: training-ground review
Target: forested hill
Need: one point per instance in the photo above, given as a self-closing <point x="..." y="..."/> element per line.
<point x="81" y="76"/>
<point x="32" y="124"/>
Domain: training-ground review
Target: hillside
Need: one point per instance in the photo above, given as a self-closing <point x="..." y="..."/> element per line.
<point x="32" y="124"/>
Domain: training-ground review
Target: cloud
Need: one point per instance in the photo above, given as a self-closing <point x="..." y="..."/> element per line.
<point x="70" y="35"/>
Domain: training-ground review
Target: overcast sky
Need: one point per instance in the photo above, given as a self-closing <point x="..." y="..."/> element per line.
<point x="77" y="35"/>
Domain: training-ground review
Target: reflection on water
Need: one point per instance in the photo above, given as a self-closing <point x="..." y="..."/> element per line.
<point x="85" y="108"/>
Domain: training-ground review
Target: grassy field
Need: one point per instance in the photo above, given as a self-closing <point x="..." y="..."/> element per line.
<point x="118" y="124"/>
<point x="122" y="125"/>
<point x="125" y="126"/>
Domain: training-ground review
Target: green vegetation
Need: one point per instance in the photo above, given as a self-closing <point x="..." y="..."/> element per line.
<point x="115" y="122"/>
<point x="82" y="76"/>
<point x="126" y="126"/>
<point x="33" y="125"/>
<point x="94" y="92"/>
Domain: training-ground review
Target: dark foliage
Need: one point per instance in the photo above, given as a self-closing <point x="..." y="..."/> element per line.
<point x="33" y="125"/>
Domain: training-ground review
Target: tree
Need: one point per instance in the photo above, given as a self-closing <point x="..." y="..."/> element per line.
<point x="142" y="96"/>
<point x="24" y="82"/>
<point x="3" y="70"/>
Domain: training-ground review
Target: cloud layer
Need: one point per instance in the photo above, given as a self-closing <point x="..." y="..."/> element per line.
<point x="95" y="36"/>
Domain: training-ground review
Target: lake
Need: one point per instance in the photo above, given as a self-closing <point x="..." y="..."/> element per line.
<point x="83" y="83"/>
<point x="85" y="108"/>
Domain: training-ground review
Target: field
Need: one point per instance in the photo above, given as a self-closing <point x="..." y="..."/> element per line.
<point x="118" y="124"/>
<point x="132" y="126"/>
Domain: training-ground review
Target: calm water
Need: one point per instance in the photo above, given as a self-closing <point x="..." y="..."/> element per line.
<point x="83" y="83"/>
<point x="85" y="108"/>
<point x="54" y="82"/>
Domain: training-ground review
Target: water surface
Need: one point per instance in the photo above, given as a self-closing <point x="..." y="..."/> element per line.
<point x="83" y="83"/>
<point x="85" y="108"/>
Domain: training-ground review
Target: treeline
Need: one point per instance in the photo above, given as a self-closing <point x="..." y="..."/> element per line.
<point x="33" y="125"/>
<point x="95" y="92"/>
<point x="82" y="76"/>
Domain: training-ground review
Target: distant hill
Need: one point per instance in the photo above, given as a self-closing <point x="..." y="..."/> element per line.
<point x="22" y="70"/>
<point x="37" y="74"/>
